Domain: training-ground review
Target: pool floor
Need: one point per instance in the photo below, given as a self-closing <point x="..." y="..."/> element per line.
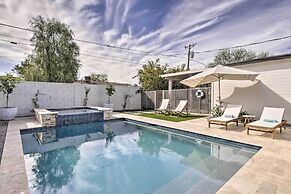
<point x="124" y="157"/>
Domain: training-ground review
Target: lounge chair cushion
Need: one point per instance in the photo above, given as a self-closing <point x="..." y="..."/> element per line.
<point x="262" y="124"/>
<point x="233" y="110"/>
<point x="221" y="119"/>
<point x="272" y="113"/>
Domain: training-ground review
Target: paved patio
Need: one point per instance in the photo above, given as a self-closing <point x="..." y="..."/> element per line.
<point x="269" y="171"/>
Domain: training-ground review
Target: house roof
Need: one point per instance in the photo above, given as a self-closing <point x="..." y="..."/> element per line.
<point x="271" y="58"/>
<point x="181" y="75"/>
<point x="186" y="74"/>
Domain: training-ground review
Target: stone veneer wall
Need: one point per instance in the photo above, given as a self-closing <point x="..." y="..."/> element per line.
<point x="48" y="120"/>
<point x="45" y="118"/>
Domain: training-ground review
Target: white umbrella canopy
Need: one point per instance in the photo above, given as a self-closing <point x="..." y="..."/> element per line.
<point x="218" y="73"/>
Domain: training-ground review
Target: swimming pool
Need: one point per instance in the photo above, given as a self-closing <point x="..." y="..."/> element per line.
<point x="125" y="156"/>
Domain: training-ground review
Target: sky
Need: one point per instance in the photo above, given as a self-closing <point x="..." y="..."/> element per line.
<point x="161" y="28"/>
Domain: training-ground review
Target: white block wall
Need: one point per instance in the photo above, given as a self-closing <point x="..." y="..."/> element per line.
<point x="273" y="88"/>
<point x="62" y="95"/>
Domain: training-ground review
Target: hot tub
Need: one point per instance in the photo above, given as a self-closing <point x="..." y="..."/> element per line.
<point x="77" y="115"/>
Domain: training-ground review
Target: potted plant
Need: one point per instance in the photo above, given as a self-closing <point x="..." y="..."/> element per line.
<point x="110" y="90"/>
<point x="7" y="85"/>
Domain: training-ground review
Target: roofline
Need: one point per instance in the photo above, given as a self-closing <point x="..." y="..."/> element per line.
<point x="167" y="75"/>
<point x="271" y="58"/>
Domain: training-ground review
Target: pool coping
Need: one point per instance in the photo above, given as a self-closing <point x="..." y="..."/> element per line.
<point x="13" y="177"/>
<point x="208" y="138"/>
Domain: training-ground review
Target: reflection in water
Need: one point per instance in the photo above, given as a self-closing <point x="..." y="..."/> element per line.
<point x="54" y="169"/>
<point x="151" y="142"/>
<point x="48" y="136"/>
<point x="109" y="138"/>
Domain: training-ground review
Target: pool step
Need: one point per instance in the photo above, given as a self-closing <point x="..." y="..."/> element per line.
<point x="181" y="183"/>
<point x="230" y="167"/>
<point x="219" y="175"/>
<point x="188" y="178"/>
<point x="206" y="176"/>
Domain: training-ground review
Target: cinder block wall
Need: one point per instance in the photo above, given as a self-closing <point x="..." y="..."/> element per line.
<point x="63" y="95"/>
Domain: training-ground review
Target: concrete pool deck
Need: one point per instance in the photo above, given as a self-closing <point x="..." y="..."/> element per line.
<point x="269" y="171"/>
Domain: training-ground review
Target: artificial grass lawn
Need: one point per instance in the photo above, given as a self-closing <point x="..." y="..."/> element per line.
<point x="169" y="117"/>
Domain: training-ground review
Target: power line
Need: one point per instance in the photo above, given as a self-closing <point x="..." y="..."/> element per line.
<point x="102" y="54"/>
<point x="149" y="52"/>
<point x="245" y="45"/>
<point x="26" y="39"/>
<point x="14" y="42"/>
<point x="82" y="54"/>
<point x="16" y="27"/>
<point x="135" y="51"/>
<point x="199" y="62"/>
<point x="98" y="43"/>
<point x="100" y="57"/>
<point x="89" y="55"/>
<point x="10" y="36"/>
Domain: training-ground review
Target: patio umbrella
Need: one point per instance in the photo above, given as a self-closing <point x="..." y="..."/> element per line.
<point x="218" y="73"/>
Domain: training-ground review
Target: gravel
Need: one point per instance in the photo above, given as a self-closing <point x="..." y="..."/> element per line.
<point x="3" y="130"/>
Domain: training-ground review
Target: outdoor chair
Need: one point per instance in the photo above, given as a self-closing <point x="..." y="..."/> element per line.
<point x="271" y="119"/>
<point x="231" y="114"/>
<point x="163" y="107"/>
<point x="179" y="109"/>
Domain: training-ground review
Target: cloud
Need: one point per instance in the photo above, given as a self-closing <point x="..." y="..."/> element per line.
<point x="149" y="26"/>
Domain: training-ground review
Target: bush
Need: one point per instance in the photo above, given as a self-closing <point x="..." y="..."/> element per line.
<point x="217" y="110"/>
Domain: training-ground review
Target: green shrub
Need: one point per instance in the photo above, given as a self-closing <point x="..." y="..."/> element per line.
<point x="217" y="110"/>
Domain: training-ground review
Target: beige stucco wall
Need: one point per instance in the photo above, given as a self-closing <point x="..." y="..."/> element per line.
<point x="273" y="88"/>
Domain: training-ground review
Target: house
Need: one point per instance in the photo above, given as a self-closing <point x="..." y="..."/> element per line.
<point x="272" y="87"/>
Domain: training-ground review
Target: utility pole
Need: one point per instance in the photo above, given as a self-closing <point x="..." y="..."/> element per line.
<point x="189" y="47"/>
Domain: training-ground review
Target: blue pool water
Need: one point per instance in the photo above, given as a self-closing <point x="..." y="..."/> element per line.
<point x="126" y="157"/>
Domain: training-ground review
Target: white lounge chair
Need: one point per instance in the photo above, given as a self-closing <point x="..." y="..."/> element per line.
<point x="230" y="114"/>
<point x="271" y="119"/>
<point x="179" y="109"/>
<point x="163" y="106"/>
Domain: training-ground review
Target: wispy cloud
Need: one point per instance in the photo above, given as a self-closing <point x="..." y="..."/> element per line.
<point x="153" y="26"/>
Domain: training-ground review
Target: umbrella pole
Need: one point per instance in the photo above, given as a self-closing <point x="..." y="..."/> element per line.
<point x="219" y="96"/>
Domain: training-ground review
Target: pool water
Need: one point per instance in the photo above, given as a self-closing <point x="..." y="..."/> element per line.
<point x="126" y="157"/>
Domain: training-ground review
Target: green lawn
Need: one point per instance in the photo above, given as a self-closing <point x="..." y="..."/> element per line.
<point x="170" y="118"/>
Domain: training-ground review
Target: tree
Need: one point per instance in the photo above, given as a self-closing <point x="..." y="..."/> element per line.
<point x="55" y="54"/>
<point x="29" y="71"/>
<point x="150" y="76"/>
<point x="54" y="169"/>
<point x="7" y="85"/>
<point x="237" y="55"/>
<point x="101" y="77"/>
<point x="110" y="90"/>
